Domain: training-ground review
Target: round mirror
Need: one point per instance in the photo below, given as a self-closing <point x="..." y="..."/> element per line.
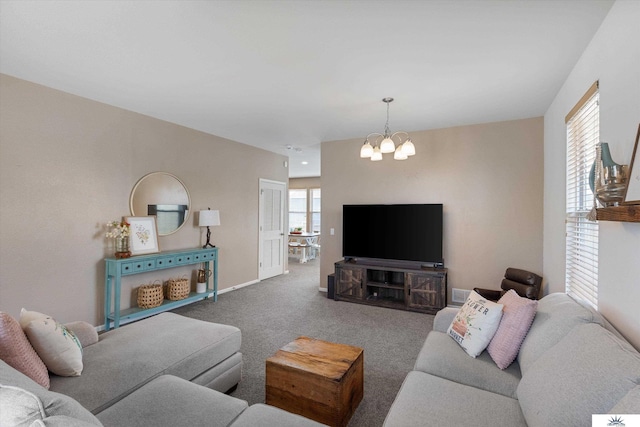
<point x="163" y="195"/>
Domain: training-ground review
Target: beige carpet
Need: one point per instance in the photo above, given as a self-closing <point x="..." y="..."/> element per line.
<point x="274" y="312"/>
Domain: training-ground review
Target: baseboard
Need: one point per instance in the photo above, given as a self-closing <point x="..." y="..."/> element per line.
<point x="242" y="285"/>
<point x="323" y="289"/>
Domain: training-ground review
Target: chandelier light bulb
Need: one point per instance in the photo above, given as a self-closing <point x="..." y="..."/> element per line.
<point x="367" y="150"/>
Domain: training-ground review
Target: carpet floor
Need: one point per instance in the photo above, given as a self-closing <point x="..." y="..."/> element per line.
<point x="276" y="311"/>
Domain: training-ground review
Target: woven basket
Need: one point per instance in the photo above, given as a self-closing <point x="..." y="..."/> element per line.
<point x="150" y="296"/>
<point x="178" y="289"/>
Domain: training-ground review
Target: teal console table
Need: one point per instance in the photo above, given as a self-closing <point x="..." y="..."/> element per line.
<point x="117" y="268"/>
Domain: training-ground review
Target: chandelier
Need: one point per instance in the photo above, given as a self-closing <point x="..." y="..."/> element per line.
<point x="385" y="143"/>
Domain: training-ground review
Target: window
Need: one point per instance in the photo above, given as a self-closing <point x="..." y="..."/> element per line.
<point x="304" y="209"/>
<point x="315" y="209"/>
<point x="581" y="277"/>
<point x="298" y="209"/>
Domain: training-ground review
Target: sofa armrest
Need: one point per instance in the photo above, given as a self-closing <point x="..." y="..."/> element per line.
<point x="85" y="332"/>
<point x="444" y="318"/>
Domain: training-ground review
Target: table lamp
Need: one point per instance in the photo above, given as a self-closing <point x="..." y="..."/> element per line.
<point x="206" y="219"/>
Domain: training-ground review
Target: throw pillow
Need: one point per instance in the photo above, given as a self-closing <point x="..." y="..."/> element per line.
<point x="517" y="317"/>
<point x="18" y="353"/>
<point x="27" y="317"/>
<point x="56" y="345"/>
<point x="476" y="322"/>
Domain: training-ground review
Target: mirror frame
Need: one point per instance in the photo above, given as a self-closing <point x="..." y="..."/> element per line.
<point x="133" y="191"/>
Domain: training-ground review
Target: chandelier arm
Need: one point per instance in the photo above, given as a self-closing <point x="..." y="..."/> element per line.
<point x="377" y="135"/>
<point x="400" y="132"/>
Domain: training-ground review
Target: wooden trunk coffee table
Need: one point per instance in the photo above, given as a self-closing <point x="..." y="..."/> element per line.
<point x="320" y="380"/>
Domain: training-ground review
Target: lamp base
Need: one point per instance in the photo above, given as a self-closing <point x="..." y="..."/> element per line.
<point x="208" y="244"/>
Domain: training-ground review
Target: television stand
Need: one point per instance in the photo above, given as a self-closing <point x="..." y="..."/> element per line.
<point x="392" y="285"/>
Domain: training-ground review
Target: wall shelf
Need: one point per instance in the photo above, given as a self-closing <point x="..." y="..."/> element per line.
<point x="626" y="213"/>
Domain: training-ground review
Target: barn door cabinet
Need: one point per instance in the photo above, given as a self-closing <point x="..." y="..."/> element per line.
<point x="393" y="286"/>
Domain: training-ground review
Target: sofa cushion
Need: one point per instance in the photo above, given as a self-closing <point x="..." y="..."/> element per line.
<point x="56" y="345"/>
<point x="443" y="319"/>
<point x="60" y="421"/>
<point x="429" y="400"/>
<point x="172" y="401"/>
<point x="588" y="372"/>
<point x="629" y="404"/>
<point x="16" y="350"/>
<point x="517" y="316"/>
<point x="188" y="348"/>
<point x="265" y="415"/>
<point x="85" y="332"/>
<point x="557" y="314"/>
<point x="19" y="407"/>
<point x="475" y="324"/>
<point x="442" y="357"/>
<point x="53" y="403"/>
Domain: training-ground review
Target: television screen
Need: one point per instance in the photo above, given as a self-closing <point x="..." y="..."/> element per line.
<point x="411" y="232"/>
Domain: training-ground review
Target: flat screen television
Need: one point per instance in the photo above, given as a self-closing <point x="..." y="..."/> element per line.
<point x="410" y="232"/>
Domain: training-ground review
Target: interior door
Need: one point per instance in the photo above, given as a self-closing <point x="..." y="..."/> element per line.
<point x="271" y="228"/>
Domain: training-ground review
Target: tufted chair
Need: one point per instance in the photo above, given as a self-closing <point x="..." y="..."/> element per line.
<point x="525" y="283"/>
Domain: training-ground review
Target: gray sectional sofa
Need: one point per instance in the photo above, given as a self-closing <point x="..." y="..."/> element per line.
<point x="166" y="370"/>
<point x="572" y="364"/>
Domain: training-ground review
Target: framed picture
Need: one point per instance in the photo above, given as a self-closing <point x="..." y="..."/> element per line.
<point x="143" y="235"/>
<point x="632" y="192"/>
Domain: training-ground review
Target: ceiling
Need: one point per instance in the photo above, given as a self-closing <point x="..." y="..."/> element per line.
<point x="288" y="75"/>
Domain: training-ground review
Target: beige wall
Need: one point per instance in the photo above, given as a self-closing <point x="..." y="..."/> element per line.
<point x="610" y="59"/>
<point x="488" y="177"/>
<point x="67" y="166"/>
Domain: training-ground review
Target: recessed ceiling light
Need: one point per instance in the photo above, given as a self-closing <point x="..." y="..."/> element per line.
<point x="305" y="163"/>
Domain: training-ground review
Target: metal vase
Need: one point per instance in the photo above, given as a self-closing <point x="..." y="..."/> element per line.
<point x="122" y="247"/>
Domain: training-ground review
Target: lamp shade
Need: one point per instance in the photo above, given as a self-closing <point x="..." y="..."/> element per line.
<point x="366" y="151"/>
<point x="377" y="155"/>
<point x="399" y="154"/>
<point x="387" y="145"/>
<point x="408" y="148"/>
<point x="209" y="217"/>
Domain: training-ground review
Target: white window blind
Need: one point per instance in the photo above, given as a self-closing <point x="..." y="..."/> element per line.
<point x="304" y="209"/>
<point x="298" y="209"/>
<point x="583" y="133"/>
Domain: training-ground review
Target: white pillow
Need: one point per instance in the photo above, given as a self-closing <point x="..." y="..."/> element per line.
<point x="475" y="324"/>
<point x="27" y="317"/>
<point x="57" y="346"/>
